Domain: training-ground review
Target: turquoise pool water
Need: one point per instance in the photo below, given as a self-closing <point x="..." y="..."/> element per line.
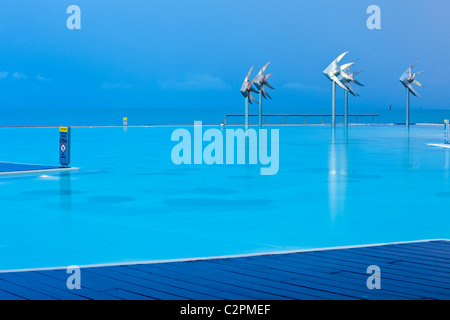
<point x="129" y="202"/>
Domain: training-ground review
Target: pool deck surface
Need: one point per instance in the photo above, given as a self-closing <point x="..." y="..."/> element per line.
<point x="412" y="270"/>
<point x="9" y="168"/>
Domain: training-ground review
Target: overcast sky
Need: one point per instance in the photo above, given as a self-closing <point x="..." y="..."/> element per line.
<point x="195" y="53"/>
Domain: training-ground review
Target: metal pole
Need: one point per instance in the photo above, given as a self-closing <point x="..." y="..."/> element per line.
<point x="407" y="107"/>
<point x="333" y="105"/>
<point x="346" y="108"/>
<point x="260" y="109"/>
<point x="246" y="113"/>
<point x="446" y="125"/>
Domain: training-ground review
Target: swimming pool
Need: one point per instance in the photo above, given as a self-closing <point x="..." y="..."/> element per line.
<point x="129" y="202"/>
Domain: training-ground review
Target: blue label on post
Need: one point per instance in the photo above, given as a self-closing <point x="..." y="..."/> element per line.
<point x="64" y="146"/>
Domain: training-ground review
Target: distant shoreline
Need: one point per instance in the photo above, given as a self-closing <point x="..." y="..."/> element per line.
<point x="218" y="125"/>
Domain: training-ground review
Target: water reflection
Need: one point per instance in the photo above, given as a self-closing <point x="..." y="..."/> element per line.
<point x="408" y="164"/>
<point x="337" y="173"/>
<point x="447" y="162"/>
<point x="65" y="198"/>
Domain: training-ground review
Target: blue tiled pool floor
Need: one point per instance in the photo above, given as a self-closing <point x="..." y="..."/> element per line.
<point x="415" y="270"/>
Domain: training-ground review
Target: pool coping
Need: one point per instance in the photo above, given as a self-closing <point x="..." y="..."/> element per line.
<point x="129" y="263"/>
<point x="38" y="171"/>
<point x="439" y="145"/>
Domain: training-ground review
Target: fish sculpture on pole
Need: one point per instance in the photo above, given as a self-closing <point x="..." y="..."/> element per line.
<point x="346" y="78"/>
<point x="246" y="88"/>
<point x="260" y="81"/>
<point x="333" y="72"/>
<point x="407" y="79"/>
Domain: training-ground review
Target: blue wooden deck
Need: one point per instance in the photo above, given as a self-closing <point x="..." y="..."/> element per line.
<point x="8" y="168"/>
<point x="418" y="270"/>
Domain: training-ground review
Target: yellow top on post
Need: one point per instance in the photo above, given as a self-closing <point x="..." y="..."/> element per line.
<point x="63" y="129"/>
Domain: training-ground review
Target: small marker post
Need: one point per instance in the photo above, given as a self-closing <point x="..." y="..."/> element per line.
<point x="446" y="128"/>
<point x="125" y="121"/>
<point x="64" y="147"/>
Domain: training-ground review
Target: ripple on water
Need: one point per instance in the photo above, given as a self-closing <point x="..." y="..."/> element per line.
<point x="54" y="192"/>
<point x="160" y="174"/>
<point x="215" y="203"/>
<point x="164" y="190"/>
<point x="110" y="199"/>
<point x="365" y="176"/>
<point x="218" y="191"/>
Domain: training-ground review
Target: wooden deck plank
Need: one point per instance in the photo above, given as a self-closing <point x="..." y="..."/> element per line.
<point x="195" y="284"/>
<point x="90" y="282"/>
<point x="254" y="284"/>
<point x="425" y="291"/>
<point x="151" y="292"/>
<point x="257" y="291"/>
<point x="143" y="277"/>
<point x="337" y="267"/>
<point x="126" y="295"/>
<point x="17" y="167"/>
<point x="166" y="288"/>
<point x="253" y="288"/>
<point x="9" y="296"/>
<point x="311" y="279"/>
<point x="401" y="255"/>
<point x="417" y="270"/>
<point x="24" y="291"/>
<point x="228" y="289"/>
<point x="360" y="262"/>
<point x="438" y="246"/>
<point x="58" y="291"/>
<point x="333" y="280"/>
<point x="249" y="282"/>
<point x="379" y="258"/>
<point x="405" y="266"/>
<point x="422" y="251"/>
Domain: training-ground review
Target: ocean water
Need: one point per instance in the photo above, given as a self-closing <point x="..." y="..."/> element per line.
<point x="159" y="116"/>
<point x="129" y="202"/>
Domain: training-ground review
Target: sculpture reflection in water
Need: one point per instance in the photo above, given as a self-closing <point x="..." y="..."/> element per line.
<point x="337" y="172"/>
<point x="65" y="199"/>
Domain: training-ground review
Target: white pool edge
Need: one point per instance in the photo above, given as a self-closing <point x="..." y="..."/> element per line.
<point x="38" y="171"/>
<point x="115" y="264"/>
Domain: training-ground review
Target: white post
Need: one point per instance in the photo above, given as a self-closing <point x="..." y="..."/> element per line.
<point x="260" y="108"/>
<point x="346" y="109"/>
<point x="333" y="105"/>
<point x="407" y="107"/>
<point x="246" y="112"/>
